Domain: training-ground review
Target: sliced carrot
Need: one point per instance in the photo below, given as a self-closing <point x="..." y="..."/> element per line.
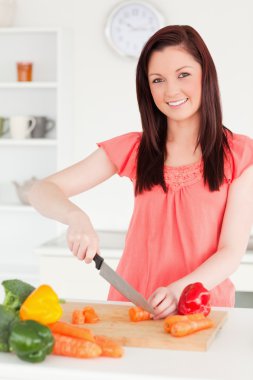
<point x="86" y="315"/>
<point x="171" y="319"/>
<point x="90" y="316"/>
<point x="180" y="329"/>
<point x="109" y="347"/>
<point x="68" y="329"/>
<point x="137" y="314"/>
<point x="78" y="318"/>
<point x="75" y="347"/>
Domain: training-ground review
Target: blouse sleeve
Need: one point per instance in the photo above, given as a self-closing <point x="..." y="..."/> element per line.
<point x="242" y="154"/>
<point x="122" y="151"/>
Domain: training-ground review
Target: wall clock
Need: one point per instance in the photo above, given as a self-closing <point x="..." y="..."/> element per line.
<point x="130" y="25"/>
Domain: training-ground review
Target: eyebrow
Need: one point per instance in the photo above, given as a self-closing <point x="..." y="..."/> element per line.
<point x="176" y="70"/>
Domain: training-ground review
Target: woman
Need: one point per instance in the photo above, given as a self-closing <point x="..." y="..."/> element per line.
<point x="193" y="180"/>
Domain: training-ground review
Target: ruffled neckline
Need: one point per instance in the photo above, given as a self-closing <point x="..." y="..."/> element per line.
<point x="183" y="175"/>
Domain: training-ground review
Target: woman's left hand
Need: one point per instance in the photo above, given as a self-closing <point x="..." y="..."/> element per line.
<point x="164" y="301"/>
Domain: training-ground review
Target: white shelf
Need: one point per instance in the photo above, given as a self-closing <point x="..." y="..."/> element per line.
<point x="28" y="142"/>
<point x="28" y="85"/>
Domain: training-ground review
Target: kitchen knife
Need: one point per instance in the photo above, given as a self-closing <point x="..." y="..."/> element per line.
<point x="121" y="285"/>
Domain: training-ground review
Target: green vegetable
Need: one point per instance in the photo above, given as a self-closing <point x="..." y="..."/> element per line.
<point x="7" y="318"/>
<point x="16" y="291"/>
<point x="31" y="341"/>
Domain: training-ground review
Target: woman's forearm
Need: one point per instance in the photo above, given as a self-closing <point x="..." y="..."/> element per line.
<point x="213" y="271"/>
<point x="51" y="202"/>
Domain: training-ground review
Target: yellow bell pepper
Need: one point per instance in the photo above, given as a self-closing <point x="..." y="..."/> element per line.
<point x="42" y="305"/>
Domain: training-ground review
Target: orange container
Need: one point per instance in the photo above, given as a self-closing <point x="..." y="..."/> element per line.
<point x="24" y="71"/>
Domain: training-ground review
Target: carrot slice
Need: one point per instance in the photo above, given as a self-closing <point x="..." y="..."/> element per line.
<point x="109" y="347"/>
<point x="180" y="329"/>
<point x="86" y="315"/>
<point x="137" y="314"/>
<point x="77" y="317"/>
<point x="171" y="319"/>
<point x="68" y="329"/>
<point x="75" y="347"/>
<point x="91" y="317"/>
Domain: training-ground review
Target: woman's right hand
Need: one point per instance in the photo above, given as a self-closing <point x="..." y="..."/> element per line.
<point x="82" y="239"/>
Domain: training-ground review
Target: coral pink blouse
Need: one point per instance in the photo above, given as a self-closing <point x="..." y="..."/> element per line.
<point x="172" y="234"/>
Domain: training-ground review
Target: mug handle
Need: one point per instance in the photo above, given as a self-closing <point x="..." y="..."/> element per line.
<point x="6" y="126"/>
<point x="32" y="126"/>
<point x="50" y="125"/>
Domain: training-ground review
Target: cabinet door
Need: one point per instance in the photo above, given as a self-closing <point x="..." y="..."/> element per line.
<point x="243" y="278"/>
<point x="73" y="279"/>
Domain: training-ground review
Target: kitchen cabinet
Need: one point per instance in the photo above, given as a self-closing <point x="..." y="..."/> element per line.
<point x="49" y="94"/>
<point x="243" y="277"/>
<point x="72" y="278"/>
<point x="229" y="357"/>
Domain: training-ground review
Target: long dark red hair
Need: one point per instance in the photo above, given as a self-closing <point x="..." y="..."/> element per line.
<point x="212" y="136"/>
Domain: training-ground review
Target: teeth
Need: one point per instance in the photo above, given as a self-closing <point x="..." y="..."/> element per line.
<point x="178" y="102"/>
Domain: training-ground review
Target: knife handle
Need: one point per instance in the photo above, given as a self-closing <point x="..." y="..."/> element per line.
<point x="98" y="261"/>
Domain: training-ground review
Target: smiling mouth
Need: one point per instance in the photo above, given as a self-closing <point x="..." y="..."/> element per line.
<point x="177" y="103"/>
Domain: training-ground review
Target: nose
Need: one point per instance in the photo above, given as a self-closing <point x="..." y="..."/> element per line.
<point x="172" y="90"/>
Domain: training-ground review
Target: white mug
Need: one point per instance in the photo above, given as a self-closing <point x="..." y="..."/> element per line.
<point x="21" y="126"/>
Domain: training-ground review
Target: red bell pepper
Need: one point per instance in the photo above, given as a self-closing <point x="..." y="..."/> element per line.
<point x="195" y="298"/>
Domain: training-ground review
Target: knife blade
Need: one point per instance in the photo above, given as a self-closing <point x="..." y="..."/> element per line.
<point x="120" y="284"/>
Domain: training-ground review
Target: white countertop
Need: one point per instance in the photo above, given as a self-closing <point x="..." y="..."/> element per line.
<point x="230" y="357"/>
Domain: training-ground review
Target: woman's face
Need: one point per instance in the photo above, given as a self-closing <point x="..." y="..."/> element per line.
<point x="174" y="76"/>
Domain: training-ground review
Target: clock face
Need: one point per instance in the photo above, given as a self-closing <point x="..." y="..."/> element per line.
<point x="130" y="25"/>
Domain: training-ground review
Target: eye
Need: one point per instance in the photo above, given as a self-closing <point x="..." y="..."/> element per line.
<point x="157" y="80"/>
<point x="185" y="75"/>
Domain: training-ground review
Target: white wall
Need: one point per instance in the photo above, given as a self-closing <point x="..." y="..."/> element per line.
<point x="105" y="102"/>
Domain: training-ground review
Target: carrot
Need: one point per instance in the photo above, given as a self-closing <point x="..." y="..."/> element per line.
<point x="75" y="347"/>
<point x="171" y="319"/>
<point x="90" y="316"/>
<point x="137" y="314"/>
<point x="179" y="329"/>
<point x="68" y="329"/>
<point x="86" y="315"/>
<point x="78" y="318"/>
<point x="109" y="347"/>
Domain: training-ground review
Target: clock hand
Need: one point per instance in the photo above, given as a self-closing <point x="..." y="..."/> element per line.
<point x="138" y="28"/>
<point x="129" y="25"/>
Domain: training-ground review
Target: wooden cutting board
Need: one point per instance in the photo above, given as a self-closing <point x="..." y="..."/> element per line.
<point x="115" y="323"/>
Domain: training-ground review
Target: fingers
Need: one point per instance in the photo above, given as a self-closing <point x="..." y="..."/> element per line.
<point x="75" y="248"/>
<point x="157" y="297"/>
<point x="70" y="244"/>
<point x="90" y="253"/>
<point x="84" y="247"/>
<point x="165" y="312"/>
<point x="163" y="302"/>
